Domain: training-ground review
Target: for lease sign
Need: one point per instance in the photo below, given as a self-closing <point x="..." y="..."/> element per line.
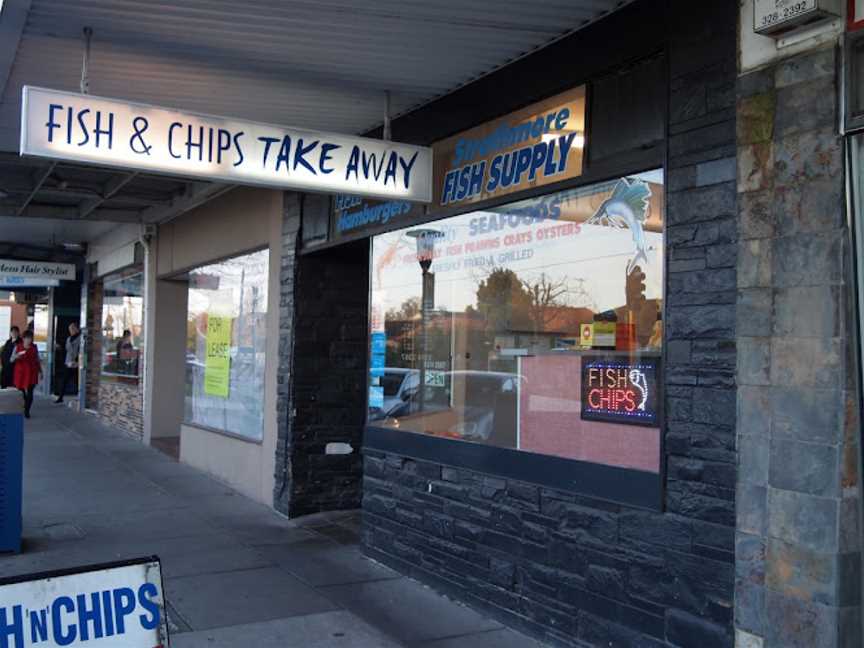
<point x="116" y="606"/>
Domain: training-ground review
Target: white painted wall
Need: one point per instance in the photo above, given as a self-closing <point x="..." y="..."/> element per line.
<point x="114" y="249"/>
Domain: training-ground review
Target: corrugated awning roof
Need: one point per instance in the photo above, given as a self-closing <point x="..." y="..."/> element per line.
<point x="321" y="64"/>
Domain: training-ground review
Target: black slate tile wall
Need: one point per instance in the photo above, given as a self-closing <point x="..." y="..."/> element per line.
<point x="581" y="572"/>
<point x="322" y="384"/>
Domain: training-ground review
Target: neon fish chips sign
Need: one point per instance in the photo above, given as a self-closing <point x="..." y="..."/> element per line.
<point x="620" y="391"/>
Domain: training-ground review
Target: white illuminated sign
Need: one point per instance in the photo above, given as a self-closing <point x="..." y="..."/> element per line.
<point x="24" y="271"/>
<point x="108" y="132"/>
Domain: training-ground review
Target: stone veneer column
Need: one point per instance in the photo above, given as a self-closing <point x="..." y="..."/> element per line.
<point x="284" y="396"/>
<point x="93" y="343"/>
<point x="798" y="552"/>
<point x="322" y="377"/>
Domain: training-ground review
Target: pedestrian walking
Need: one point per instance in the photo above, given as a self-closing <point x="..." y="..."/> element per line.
<point x="7" y="368"/>
<point x="28" y="369"/>
<point x="70" y="364"/>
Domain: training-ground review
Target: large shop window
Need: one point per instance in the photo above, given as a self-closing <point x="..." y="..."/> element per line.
<point x="225" y="350"/>
<point x="535" y="326"/>
<point x="122" y="326"/>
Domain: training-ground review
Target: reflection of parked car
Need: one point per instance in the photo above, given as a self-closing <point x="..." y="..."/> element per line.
<point x="473" y="405"/>
<point x="399" y="385"/>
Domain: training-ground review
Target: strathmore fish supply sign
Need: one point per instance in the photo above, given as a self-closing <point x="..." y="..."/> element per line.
<point x="121" y="605"/>
<point x="109" y="132"/>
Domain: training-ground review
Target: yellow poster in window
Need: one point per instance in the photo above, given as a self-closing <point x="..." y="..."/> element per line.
<point x="217" y="367"/>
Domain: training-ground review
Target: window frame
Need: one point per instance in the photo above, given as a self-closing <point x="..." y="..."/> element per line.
<point x="107" y="376"/>
<point x="184" y="276"/>
<point x="630" y="487"/>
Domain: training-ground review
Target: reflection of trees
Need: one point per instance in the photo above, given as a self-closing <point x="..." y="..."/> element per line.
<point x="546" y="297"/>
<point x="409" y="309"/>
<point x="509" y="303"/>
<point x="503" y="301"/>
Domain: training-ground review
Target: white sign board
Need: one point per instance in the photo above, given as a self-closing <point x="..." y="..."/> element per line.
<point x="108" y="132"/>
<point x="5" y="323"/>
<point x="111" y="607"/>
<point x="771" y="16"/>
<point x="30" y="270"/>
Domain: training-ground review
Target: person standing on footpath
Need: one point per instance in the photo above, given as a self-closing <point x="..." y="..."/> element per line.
<point x="70" y="364"/>
<point x="28" y="369"/>
<point x="7" y="368"/>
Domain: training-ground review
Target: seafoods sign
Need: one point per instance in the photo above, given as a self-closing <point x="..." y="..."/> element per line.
<point x="532" y="147"/>
<point x="108" y="132"/>
<point x="104" y="605"/>
<point x="620" y="390"/>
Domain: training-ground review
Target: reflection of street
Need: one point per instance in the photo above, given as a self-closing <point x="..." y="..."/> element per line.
<point x="225" y="364"/>
<point x="471" y="405"/>
<point x="239" y="413"/>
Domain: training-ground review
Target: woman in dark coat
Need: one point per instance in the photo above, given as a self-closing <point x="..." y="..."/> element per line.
<point x="7" y="367"/>
<point x="28" y="369"/>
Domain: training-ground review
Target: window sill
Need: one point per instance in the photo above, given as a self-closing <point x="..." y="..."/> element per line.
<point x="225" y="433"/>
<point x="626" y="486"/>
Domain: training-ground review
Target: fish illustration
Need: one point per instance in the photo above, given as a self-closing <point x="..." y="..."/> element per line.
<point x="388" y="258"/>
<point x="641" y="383"/>
<point x="627" y="207"/>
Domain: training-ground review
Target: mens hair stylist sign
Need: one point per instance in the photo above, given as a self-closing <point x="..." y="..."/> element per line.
<point x="105" y="605"/>
<point x="84" y="128"/>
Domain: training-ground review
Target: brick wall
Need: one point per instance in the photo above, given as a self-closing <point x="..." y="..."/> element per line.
<point x="581" y="572"/>
<point x="122" y="406"/>
<point x="326" y="403"/>
<point x="798" y="542"/>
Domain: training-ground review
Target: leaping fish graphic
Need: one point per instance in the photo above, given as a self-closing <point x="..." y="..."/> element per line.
<point x="627" y="207"/>
<point x="641" y="383"/>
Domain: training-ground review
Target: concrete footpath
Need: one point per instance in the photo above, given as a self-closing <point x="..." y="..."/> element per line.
<point x="236" y="573"/>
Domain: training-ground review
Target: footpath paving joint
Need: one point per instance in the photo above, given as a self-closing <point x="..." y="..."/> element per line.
<point x="236" y="573"/>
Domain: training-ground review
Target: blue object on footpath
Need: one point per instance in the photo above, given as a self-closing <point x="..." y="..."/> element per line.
<point x="11" y="464"/>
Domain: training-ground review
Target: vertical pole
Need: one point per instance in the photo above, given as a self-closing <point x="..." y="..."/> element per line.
<point x="387" y="132"/>
<point x="424" y="314"/>
<point x="85" y="338"/>
<point x="85" y="64"/>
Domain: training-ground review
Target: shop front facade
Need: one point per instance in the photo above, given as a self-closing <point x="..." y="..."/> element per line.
<point x="546" y="406"/>
<point x="113" y="313"/>
<point x="213" y="319"/>
<point x="603" y="385"/>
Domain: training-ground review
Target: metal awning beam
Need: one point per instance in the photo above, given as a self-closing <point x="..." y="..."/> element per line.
<point x="39" y="182"/>
<point x="195" y="194"/>
<point x="111" y="188"/>
<point x="55" y="212"/>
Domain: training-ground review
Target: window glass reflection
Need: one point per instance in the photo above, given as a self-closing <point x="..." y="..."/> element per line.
<point x="536" y="326"/>
<point x="122" y="326"/>
<point x="225" y="345"/>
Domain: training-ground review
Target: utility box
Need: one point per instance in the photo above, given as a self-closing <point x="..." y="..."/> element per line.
<point x="11" y="470"/>
<point x="777" y="17"/>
